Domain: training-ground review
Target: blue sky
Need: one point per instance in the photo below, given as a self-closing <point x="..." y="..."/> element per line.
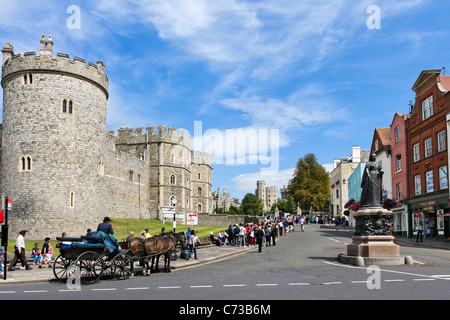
<point x="311" y="72"/>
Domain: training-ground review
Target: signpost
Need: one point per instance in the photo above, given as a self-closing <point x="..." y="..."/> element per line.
<point x="4" y="242"/>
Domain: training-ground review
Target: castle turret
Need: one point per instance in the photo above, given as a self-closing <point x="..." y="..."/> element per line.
<point x="54" y="124"/>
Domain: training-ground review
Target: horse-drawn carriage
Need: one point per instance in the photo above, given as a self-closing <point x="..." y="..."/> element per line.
<point x="98" y="255"/>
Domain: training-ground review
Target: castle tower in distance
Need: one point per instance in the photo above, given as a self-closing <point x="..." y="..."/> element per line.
<point x="64" y="172"/>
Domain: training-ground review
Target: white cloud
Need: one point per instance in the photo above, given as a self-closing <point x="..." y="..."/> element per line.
<point x="246" y="182"/>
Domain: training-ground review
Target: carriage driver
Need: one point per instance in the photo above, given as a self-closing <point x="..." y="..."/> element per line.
<point x="106" y="226"/>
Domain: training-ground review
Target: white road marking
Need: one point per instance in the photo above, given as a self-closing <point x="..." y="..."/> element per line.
<point x="106" y="289"/>
<point x="7" y="292"/>
<point x="384" y="270"/>
<point x="174" y="287"/>
<point x="424" y="279"/>
<point x="329" y="283"/>
<point x="141" y="288"/>
<point x="36" y="291"/>
<point x="334" y="240"/>
<point x="266" y="284"/>
<point x="299" y="284"/>
<point x="234" y="285"/>
<point x="394" y="280"/>
<point x="206" y="286"/>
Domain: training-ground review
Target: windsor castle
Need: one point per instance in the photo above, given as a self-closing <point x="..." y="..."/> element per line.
<point x="64" y="171"/>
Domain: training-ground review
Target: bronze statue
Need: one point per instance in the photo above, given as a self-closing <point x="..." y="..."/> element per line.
<point x="371" y="184"/>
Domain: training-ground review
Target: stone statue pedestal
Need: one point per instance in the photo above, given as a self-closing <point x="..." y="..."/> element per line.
<point x="372" y="243"/>
<point x="373" y="246"/>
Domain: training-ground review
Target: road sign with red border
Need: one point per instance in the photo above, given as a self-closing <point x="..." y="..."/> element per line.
<point x="192" y="218"/>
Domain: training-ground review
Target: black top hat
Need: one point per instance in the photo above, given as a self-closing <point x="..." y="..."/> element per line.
<point x="106" y="219"/>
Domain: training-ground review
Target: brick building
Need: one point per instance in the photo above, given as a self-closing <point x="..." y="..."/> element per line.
<point x="427" y="146"/>
<point x="400" y="166"/>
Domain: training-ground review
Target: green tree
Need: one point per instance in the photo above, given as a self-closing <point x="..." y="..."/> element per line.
<point x="234" y="211"/>
<point x="251" y="205"/>
<point x="310" y="184"/>
<point x="285" y="205"/>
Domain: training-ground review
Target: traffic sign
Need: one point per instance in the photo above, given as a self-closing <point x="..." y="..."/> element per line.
<point x="192" y="219"/>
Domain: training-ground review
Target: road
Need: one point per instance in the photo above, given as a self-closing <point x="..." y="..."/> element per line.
<point x="301" y="266"/>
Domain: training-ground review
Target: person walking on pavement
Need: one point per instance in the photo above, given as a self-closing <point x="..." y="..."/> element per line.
<point x="274" y="234"/>
<point x="193" y="240"/>
<point x="259" y="235"/>
<point x="419" y="229"/>
<point x="19" y="252"/>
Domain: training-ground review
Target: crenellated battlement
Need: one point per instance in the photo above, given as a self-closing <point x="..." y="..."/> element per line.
<point x="30" y="62"/>
<point x="153" y="134"/>
<point x="166" y="134"/>
<point x="199" y="157"/>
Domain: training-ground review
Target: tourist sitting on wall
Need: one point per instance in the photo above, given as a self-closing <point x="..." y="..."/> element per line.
<point x="222" y="236"/>
<point x="213" y="239"/>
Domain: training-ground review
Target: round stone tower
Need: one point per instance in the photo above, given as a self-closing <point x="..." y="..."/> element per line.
<point x="53" y="141"/>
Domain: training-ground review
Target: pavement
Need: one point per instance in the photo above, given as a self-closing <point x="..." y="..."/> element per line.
<point x="206" y="254"/>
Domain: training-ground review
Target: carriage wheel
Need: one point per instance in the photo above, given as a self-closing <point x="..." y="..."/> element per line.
<point x="108" y="267"/>
<point x="91" y="267"/>
<point x="60" y="267"/>
<point x="123" y="266"/>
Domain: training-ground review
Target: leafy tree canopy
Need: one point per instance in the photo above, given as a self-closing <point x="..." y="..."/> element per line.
<point x="310" y="184"/>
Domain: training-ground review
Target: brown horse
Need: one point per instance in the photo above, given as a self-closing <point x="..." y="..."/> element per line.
<point x="165" y="244"/>
<point x="144" y="249"/>
<point x="154" y="247"/>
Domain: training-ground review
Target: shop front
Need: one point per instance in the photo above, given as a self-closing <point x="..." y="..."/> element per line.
<point x="399" y="220"/>
<point x="434" y="216"/>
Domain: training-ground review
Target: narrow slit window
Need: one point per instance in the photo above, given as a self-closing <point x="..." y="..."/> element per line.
<point x="70" y="106"/>
<point x="72" y="199"/>
<point x="22" y="160"/>
<point x="64" y="106"/>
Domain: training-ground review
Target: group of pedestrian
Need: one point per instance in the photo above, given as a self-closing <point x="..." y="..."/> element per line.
<point x="253" y="234"/>
<point x="44" y="255"/>
<point x="192" y="241"/>
<point x="40" y="256"/>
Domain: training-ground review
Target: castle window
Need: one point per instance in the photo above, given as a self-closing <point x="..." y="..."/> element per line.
<point x="199" y="176"/>
<point x="172" y="158"/>
<point x="199" y="192"/>
<point x="31" y="78"/>
<point x="67" y="106"/>
<point x="199" y="208"/>
<point x="25" y="163"/>
<point x="172" y="179"/>
<point x="130" y="175"/>
<point x="72" y="199"/>
<point x="101" y="168"/>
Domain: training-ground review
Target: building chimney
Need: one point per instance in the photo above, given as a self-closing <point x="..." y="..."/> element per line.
<point x="356" y="154"/>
